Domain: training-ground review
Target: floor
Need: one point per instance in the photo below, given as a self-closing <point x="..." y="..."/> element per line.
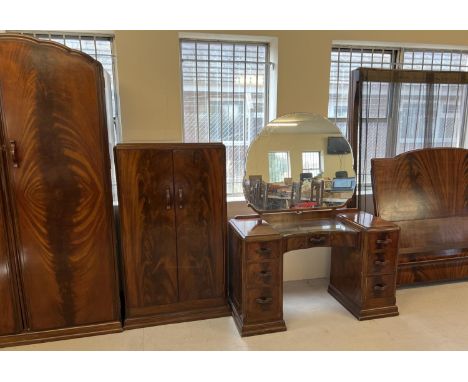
<point x="431" y="318"/>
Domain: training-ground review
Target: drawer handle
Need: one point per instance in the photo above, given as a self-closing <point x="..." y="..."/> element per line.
<point x="264" y="251"/>
<point x="381" y="262"/>
<point x="264" y="300"/>
<point x="380" y="287"/>
<point x="384" y="242"/>
<point x="317" y="240"/>
<point x="265" y="274"/>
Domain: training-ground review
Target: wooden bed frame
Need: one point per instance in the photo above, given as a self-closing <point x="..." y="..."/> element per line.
<point x="425" y="192"/>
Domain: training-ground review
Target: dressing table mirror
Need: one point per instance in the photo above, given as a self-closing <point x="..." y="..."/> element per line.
<point x="299" y="162"/>
<point x="299" y="181"/>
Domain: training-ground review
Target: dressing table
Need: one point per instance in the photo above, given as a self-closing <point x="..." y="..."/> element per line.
<point x="363" y="247"/>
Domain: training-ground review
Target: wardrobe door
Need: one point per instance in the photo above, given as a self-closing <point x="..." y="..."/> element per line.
<point x="146" y="205"/>
<point x="199" y="181"/>
<point x="55" y="123"/>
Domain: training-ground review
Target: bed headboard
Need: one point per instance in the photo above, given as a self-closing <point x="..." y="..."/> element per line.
<point x="421" y="184"/>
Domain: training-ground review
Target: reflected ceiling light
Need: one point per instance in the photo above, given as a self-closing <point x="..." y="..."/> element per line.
<point x="278" y="124"/>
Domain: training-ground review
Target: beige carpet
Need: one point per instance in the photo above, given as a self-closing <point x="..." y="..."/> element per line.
<point x="431" y="318"/>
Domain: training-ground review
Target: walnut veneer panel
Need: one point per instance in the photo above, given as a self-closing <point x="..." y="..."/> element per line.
<point x="421" y="184"/>
<point x="199" y="185"/>
<point x="172" y="202"/>
<point x="145" y="180"/>
<point x="53" y="108"/>
<point x="433" y="234"/>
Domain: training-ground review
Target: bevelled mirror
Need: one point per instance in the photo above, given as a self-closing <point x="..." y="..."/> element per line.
<point x="299" y="162"/>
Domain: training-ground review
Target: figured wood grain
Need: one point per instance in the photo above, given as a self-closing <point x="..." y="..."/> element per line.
<point x="148" y="228"/>
<point x="53" y="109"/>
<point x="362" y="271"/>
<point x="433" y="234"/>
<point x="421" y="184"/>
<point x="201" y="222"/>
<point x="425" y="192"/>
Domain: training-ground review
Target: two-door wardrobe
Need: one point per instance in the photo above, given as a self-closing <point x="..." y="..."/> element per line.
<point x="172" y="206"/>
<point x="58" y="274"/>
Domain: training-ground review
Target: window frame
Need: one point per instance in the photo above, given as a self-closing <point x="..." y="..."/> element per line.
<point x="271" y="79"/>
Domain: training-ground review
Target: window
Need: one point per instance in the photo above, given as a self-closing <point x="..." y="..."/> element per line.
<point x="311" y="162"/>
<point x="278" y="166"/>
<point x="407" y="116"/>
<point x="345" y="59"/>
<point x="225" y="97"/>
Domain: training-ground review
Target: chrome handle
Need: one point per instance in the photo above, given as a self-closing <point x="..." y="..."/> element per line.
<point x="168" y="198"/>
<point x="181" y="198"/>
<point x="264" y="300"/>
<point x="13" y="153"/>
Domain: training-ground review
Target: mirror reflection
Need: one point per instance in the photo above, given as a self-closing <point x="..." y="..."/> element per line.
<point x="299" y="161"/>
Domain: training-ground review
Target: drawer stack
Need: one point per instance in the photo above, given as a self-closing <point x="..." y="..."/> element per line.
<point x="380" y="280"/>
<point x="263" y="282"/>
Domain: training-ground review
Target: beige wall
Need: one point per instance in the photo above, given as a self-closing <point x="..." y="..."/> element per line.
<point x="149" y="78"/>
<point x="150" y="97"/>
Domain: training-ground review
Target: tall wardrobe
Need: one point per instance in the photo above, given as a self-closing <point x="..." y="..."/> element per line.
<point x="58" y="274"/>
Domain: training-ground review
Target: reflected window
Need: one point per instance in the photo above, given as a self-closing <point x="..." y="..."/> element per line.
<point x="279" y="166"/>
<point x="311" y="163"/>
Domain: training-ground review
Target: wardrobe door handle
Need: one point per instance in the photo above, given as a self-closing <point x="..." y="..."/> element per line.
<point x="13" y="153"/>
<point x="168" y="198"/>
<point x="181" y="198"/>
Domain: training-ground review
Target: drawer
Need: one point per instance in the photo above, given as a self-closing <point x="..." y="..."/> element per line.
<point x="382" y="241"/>
<point x="296" y="242"/>
<point x="318" y="240"/>
<point x="263" y="250"/>
<point x="381" y="262"/>
<point x="263" y="274"/>
<point x="344" y="239"/>
<point x="263" y="304"/>
<point x="308" y="241"/>
<point x="380" y="291"/>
